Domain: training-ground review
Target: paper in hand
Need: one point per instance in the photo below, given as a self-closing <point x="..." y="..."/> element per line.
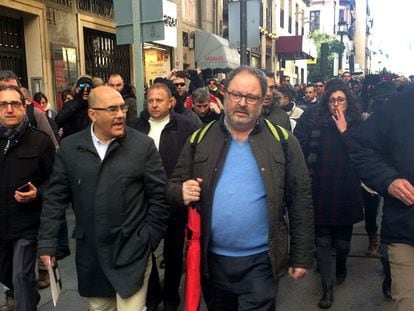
<point x="55" y="282"/>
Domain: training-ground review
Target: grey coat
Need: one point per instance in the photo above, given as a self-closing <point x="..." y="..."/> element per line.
<point x="119" y="206"/>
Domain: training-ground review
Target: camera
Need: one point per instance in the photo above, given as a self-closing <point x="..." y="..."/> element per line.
<point x="186" y="73"/>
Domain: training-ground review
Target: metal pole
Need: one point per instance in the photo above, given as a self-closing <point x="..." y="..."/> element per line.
<point x="243" y="32"/>
<point x="340" y="54"/>
<point x="138" y="64"/>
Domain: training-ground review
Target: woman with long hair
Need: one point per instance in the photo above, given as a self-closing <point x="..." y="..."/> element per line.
<point x="324" y="134"/>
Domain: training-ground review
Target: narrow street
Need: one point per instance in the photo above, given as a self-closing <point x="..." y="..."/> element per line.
<point x="360" y="292"/>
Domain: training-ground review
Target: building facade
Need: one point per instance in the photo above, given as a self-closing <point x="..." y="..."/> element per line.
<point x="350" y="22"/>
<point x="49" y="43"/>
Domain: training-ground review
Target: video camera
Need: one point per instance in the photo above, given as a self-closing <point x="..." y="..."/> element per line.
<point x="186" y="73"/>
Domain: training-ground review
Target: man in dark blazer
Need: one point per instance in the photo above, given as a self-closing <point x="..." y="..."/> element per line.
<point x="114" y="178"/>
<point x="26" y="161"/>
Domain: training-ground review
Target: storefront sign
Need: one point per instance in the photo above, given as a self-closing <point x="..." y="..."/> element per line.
<point x="170" y="24"/>
<point x="157" y="64"/>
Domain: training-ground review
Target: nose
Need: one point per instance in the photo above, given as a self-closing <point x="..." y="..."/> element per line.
<point x="9" y="108"/>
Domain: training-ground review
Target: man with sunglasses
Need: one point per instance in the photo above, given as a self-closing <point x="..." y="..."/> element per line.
<point x="26" y="162"/>
<point x="74" y="115"/>
<point x="235" y="176"/>
<point x="320" y="88"/>
<point x="114" y="178"/>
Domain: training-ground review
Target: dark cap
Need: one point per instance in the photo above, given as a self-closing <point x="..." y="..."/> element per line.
<point x="84" y="80"/>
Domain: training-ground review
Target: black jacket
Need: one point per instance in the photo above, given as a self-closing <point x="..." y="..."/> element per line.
<point x="119" y="206"/>
<point x="173" y="137"/>
<point x="129" y="97"/>
<point x="28" y="158"/>
<point x="208" y="163"/>
<point x="73" y="117"/>
<point x="384" y="153"/>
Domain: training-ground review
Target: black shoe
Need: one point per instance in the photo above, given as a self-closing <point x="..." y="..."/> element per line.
<point x="62" y="253"/>
<point x="341" y="274"/>
<point x="327" y="297"/>
<point x="386" y="288"/>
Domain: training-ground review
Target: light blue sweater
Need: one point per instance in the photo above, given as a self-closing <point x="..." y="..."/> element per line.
<point x="240" y="218"/>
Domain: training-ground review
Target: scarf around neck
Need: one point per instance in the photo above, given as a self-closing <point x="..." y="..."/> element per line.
<point x="11" y="134"/>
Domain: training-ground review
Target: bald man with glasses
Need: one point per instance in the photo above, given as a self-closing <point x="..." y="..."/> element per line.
<point x="114" y="178"/>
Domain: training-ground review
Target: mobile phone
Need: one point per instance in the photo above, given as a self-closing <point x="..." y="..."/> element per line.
<point x="23" y="188"/>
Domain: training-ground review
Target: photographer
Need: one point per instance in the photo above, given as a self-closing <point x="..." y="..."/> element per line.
<point x="178" y="77"/>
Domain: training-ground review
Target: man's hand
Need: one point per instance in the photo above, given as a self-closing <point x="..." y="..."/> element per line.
<point x="26" y="197"/>
<point x="191" y="190"/>
<point x="48" y="261"/>
<point x="297" y="273"/>
<point x="402" y="190"/>
<point x="172" y="75"/>
<point x="215" y="108"/>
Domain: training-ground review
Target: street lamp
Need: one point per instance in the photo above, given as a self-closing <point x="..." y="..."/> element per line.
<point x="342" y="30"/>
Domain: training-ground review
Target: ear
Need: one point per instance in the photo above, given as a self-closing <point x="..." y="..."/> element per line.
<point x="171" y="102"/>
<point x="91" y="114"/>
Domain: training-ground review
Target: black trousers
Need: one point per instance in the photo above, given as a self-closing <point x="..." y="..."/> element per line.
<point x="371" y="204"/>
<point x="17" y="271"/>
<point x="240" y="283"/>
<point x="341" y="238"/>
<point x="173" y="258"/>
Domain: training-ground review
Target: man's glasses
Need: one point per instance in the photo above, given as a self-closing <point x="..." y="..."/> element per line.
<point x="179" y="84"/>
<point x="113" y="110"/>
<point x="339" y="100"/>
<point x="319" y="85"/>
<point x="13" y="104"/>
<point x="237" y="97"/>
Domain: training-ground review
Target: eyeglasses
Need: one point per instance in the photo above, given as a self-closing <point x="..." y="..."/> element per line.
<point x="237" y="97"/>
<point x="319" y="85"/>
<point x="113" y="110"/>
<point x="14" y="104"/>
<point x="179" y="84"/>
<point x="339" y="100"/>
<point x="85" y="86"/>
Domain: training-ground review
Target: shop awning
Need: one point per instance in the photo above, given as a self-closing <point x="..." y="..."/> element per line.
<point x="295" y="47"/>
<point x="212" y="51"/>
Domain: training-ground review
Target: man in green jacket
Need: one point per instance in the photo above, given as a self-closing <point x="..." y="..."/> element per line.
<point x="240" y="179"/>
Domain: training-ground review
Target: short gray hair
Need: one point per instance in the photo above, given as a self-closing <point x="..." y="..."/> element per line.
<point x="200" y="95"/>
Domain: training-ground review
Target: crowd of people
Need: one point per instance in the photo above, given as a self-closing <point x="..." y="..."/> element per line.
<point x="296" y="166"/>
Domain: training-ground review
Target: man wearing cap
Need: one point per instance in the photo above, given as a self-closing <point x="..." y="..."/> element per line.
<point x="74" y="115"/>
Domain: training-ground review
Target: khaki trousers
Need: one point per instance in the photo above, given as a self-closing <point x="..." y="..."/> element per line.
<point x="401" y="258"/>
<point x="136" y="302"/>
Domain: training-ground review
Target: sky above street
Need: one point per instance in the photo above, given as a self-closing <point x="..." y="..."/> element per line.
<point x="393" y="34"/>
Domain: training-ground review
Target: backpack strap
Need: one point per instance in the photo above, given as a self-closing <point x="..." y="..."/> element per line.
<point x="280" y="134"/>
<point x="198" y="136"/>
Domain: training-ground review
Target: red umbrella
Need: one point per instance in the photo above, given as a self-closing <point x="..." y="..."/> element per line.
<point x="192" y="282"/>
